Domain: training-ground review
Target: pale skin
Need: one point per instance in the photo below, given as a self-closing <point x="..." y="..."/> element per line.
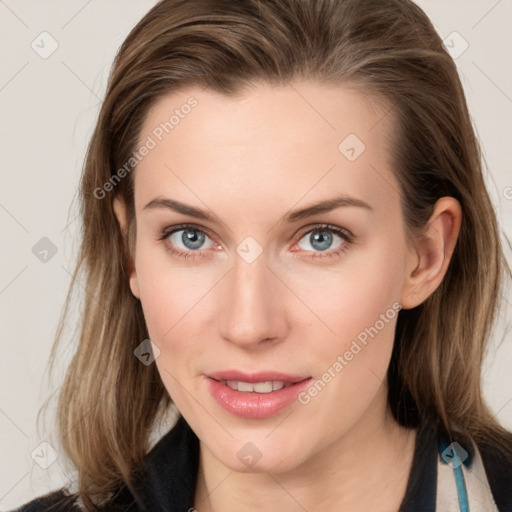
<point x="249" y="160"/>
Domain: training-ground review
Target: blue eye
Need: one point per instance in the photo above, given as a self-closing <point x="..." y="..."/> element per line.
<point x="321" y="239"/>
<point x="188" y="239"/>
<point x="191" y="238"/>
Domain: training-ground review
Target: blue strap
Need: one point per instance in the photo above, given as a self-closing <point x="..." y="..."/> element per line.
<point x="449" y="455"/>
<point x="461" y="488"/>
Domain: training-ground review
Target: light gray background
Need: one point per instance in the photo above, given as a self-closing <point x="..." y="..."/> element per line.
<point x="48" y="109"/>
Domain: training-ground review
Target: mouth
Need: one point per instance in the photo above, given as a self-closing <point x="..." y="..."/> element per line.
<point x="256" y="387"/>
<point x="255" y="396"/>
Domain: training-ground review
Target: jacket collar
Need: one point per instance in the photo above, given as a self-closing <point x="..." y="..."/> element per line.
<point x="166" y="479"/>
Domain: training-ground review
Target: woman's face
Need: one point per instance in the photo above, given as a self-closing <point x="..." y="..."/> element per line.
<point x="267" y="284"/>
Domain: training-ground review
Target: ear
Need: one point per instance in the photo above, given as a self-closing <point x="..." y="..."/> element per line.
<point x="120" y="213"/>
<point x="430" y="256"/>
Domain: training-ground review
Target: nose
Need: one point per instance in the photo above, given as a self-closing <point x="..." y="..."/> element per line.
<point x="251" y="307"/>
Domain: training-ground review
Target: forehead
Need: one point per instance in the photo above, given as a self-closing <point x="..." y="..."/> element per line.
<point x="278" y="142"/>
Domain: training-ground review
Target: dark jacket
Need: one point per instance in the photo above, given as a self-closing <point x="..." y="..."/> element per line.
<point x="166" y="478"/>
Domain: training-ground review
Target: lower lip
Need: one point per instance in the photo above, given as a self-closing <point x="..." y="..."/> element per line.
<point x="255" y="405"/>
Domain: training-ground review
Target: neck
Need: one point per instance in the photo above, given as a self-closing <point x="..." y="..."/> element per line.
<point x="365" y="469"/>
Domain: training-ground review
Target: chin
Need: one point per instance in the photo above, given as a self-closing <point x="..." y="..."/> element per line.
<point x="272" y="465"/>
<point x="258" y="457"/>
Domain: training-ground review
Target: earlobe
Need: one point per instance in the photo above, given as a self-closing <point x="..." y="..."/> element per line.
<point x="431" y="254"/>
<point x="120" y="213"/>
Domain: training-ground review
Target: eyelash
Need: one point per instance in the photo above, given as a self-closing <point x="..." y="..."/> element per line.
<point x="342" y="233"/>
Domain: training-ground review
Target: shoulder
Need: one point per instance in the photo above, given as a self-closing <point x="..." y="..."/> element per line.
<point x="159" y="479"/>
<point x="56" y="501"/>
<point x="61" y="501"/>
<point x="497" y="461"/>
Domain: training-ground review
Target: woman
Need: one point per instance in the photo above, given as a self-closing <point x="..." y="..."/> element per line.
<point x="287" y="240"/>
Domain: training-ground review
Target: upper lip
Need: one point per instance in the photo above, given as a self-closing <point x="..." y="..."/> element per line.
<point x="256" y="377"/>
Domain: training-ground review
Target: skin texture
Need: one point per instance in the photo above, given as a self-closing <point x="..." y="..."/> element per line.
<point x="249" y="160"/>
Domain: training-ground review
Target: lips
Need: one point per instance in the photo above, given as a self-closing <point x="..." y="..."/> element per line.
<point x="254" y="404"/>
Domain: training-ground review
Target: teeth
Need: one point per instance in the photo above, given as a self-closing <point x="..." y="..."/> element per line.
<point x="256" y="387"/>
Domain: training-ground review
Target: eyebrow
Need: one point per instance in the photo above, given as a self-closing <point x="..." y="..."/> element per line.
<point x="318" y="208"/>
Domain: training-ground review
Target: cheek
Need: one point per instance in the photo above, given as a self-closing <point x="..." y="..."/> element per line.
<point x="173" y="299"/>
<point x="351" y="297"/>
<point x="370" y="299"/>
<point x="360" y="305"/>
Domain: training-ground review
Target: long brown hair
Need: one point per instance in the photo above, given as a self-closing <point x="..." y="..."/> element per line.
<point x="388" y="48"/>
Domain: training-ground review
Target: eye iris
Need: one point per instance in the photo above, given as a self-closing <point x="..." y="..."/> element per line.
<point x="192" y="239"/>
<point x="324" y="238"/>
